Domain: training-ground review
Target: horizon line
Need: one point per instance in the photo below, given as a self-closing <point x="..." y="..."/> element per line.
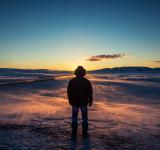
<point x="73" y="70"/>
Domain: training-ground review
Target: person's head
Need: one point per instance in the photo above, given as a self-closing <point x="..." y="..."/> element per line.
<point x="80" y="71"/>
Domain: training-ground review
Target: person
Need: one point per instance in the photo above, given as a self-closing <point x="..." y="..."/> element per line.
<point x="79" y="93"/>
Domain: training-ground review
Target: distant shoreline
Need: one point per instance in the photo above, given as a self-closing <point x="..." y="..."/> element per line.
<point x="104" y="70"/>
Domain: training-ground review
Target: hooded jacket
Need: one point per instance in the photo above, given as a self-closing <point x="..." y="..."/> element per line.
<point x="79" y="91"/>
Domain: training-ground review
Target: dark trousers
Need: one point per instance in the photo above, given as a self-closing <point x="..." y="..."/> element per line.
<point x="84" y="112"/>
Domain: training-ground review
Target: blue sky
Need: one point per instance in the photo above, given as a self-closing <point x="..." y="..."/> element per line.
<point x="61" y="34"/>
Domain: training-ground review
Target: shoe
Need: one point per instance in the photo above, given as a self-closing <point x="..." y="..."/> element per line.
<point x="85" y="134"/>
<point x="74" y="134"/>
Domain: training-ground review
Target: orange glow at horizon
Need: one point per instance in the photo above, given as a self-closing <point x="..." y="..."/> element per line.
<point x="70" y="65"/>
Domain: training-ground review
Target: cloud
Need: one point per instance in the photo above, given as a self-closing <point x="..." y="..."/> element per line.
<point x="109" y="56"/>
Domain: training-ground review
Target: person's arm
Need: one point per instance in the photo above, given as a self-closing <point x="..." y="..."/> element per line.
<point x="90" y="94"/>
<point x="69" y="92"/>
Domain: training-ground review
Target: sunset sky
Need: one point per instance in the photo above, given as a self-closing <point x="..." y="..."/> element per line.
<point x="61" y="34"/>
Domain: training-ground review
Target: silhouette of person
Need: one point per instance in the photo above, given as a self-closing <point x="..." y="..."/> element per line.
<point x="79" y="92"/>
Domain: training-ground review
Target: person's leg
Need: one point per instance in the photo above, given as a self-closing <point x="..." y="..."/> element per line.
<point x="74" y="120"/>
<point x="84" y="111"/>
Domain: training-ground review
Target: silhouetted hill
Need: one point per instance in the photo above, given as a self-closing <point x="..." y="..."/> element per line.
<point x="105" y="70"/>
<point x="126" y="70"/>
<point x="30" y="71"/>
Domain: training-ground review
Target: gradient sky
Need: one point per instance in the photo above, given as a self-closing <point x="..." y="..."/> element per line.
<point x="61" y="34"/>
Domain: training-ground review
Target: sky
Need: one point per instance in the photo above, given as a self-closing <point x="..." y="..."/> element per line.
<point x="62" y="34"/>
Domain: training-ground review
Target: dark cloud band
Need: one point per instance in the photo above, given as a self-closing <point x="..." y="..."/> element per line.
<point x="100" y="57"/>
<point x="157" y="61"/>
